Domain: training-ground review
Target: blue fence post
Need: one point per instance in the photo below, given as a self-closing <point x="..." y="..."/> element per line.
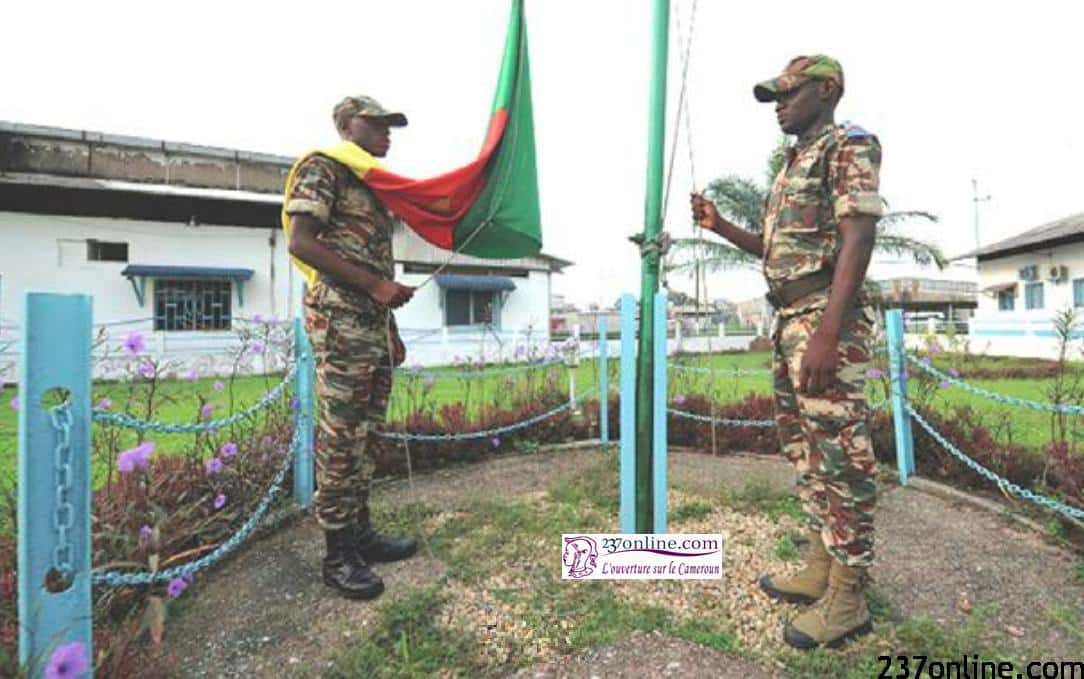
<point x="897" y="367"/>
<point x="54" y="477"/>
<point x="303" y="459"/>
<point x="603" y="385"/>
<point x="659" y="406"/>
<point x="628" y="414"/>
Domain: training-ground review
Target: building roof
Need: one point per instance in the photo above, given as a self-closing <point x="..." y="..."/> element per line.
<point x="54" y="170"/>
<point x="1060" y="232"/>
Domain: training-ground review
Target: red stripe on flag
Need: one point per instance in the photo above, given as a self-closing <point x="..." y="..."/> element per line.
<point x="432" y="207"/>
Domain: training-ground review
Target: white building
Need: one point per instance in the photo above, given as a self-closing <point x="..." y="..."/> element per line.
<point x="182" y="243"/>
<point x="1023" y="282"/>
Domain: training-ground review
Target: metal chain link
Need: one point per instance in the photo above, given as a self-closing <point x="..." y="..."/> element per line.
<point x="120" y="579"/>
<point x="730" y="372"/>
<point x="64" y="514"/>
<point x="122" y="420"/>
<point x="993" y="396"/>
<point x="721" y="420"/>
<point x="475" y="374"/>
<point x="744" y="423"/>
<point x="507" y="429"/>
<point x="1003" y="483"/>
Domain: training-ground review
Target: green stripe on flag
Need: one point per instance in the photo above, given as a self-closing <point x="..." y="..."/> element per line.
<point x="507" y="210"/>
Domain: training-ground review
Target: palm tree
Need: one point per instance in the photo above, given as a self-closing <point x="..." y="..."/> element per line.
<point x="742" y="201"/>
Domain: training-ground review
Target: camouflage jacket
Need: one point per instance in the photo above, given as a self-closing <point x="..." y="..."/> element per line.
<point x="831" y="176"/>
<point x="354" y="223"/>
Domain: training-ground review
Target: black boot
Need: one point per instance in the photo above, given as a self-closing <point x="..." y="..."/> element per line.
<point x="373" y="547"/>
<point x="345" y="571"/>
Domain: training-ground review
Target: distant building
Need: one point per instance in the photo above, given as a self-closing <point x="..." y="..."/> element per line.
<point x="1024" y="281"/>
<point x="185" y="240"/>
<point x="755" y="312"/>
<point x="949" y="301"/>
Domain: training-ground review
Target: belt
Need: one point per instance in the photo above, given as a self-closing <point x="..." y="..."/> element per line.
<point x="790" y="292"/>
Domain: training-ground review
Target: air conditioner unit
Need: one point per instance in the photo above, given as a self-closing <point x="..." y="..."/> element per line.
<point x="1029" y="273"/>
<point x="1059" y="274"/>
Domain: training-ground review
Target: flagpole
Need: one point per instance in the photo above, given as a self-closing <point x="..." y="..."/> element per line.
<point x="649" y="281"/>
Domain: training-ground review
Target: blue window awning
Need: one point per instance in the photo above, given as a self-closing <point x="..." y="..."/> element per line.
<point x="485" y="283"/>
<point x="162" y="271"/>
<point x="145" y="271"/>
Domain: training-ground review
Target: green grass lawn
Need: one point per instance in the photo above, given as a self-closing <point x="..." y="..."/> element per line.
<point x="179" y="401"/>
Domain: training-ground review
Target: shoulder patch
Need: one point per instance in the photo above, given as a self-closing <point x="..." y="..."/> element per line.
<point x="853" y="131"/>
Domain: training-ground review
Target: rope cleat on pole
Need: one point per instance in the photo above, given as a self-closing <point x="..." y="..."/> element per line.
<point x="659" y="245"/>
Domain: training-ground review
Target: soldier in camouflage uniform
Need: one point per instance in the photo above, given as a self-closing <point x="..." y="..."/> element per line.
<point x="340" y="229"/>
<point x="819" y="228"/>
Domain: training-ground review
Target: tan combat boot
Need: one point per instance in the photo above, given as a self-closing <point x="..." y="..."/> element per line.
<point x="807" y="585"/>
<point x="839" y="616"/>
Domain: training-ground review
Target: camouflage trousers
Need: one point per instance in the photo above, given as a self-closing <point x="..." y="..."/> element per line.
<point x="353" y="383"/>
<point x="826" y="436"/>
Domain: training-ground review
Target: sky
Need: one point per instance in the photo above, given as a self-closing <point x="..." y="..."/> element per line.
<point x="954" y="92"/>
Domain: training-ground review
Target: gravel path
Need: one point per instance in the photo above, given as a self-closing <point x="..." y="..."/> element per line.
<point x="652" y="655"/>
<point x="265" y="613"/>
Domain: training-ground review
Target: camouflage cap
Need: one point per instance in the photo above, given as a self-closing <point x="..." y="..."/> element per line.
<point x="798" y="71"/>
<point x="367" y="106"/>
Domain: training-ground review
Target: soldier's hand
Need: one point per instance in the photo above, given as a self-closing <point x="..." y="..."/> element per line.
<point x="705" y="215"/>
<point x="398" y="350"/>
<point x="819" y="364"/>
<point x="392" y="294"/>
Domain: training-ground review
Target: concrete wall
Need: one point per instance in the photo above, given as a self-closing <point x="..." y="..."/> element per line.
<point x="48" y="253"/>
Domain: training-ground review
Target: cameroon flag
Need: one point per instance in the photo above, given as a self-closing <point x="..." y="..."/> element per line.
<point x="487" y="208"/>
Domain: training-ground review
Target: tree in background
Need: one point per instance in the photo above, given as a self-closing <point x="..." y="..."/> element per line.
<point x="742" y="201"/>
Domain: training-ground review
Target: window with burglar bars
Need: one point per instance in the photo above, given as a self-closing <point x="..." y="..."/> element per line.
<point x="1006" y="300"/>
<point x="467" y="307"/>
<point x="192" y="304"/>
<point x="1033" y="296"/>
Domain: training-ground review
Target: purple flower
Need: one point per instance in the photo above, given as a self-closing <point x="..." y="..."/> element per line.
<point x="926" y="360"/>
<point x="257" y="347"/>
<point x="214" y="465"/>
<point x="257" y="318"/>
<point x="176" y="587"/>
<point x="874" y="373"/>
<point x="496" y="442"/>
<point x="135" y="458"/>
<point x="206" y="411"/>
<point x="934" y="348"/>
<point x="679" y="399"/>
<point x="219" y="501"/>
<point x="134" y="343"/>
<point x="68" y="661"/>
<point x="192" y="375"/>
<point x="218" y="386"/>
<point x="266" y="442"/>
<point x="104" y="404"/>
<point x="521" y="351"/>
<point x="954" y="372"/>
<point x="945" y="384"/>
<point x="146" y="369"/>
<point x="228" y="449"/>
<point x="145" y="533"/>
<point x="188" y="578"/>
<point x="14" y="403"/>
<point x="295" y="403"/>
